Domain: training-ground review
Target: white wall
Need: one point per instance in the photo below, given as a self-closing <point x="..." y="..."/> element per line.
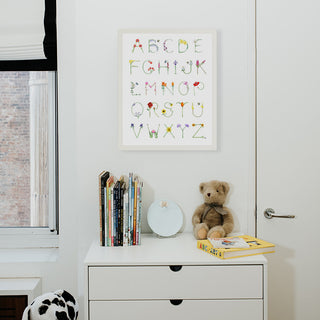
<point x="88" y="118"/>
<point x="173" y="174"/>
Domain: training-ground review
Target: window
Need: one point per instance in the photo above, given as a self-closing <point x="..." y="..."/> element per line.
<point x="28" y="124"/>
<point x="28" y="159"/>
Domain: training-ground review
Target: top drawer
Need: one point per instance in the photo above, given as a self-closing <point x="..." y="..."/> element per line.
<point x="160" y="282"/>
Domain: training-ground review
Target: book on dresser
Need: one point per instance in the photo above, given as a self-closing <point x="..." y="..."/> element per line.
<point x="111" y="201"/>
<point x="228" y="251"/>
<point x="108" y="227"/>
<point x="103" y="177"/>
<point x="120" y="212"/>
<point x="120" y="206"/>
<point x="116" y="197"/>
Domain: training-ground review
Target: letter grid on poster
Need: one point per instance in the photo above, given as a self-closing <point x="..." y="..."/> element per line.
<point x="168" y="90"/>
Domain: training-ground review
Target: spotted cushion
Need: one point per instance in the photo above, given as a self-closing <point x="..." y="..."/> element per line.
<point x="58" y="305"/>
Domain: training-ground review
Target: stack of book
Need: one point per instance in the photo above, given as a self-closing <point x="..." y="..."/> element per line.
<point x="235" y="247"/>
<point x="120" y="210"/>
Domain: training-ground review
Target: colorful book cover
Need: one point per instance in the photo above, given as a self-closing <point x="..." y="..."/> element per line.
<point x="115" y="213"/>
<point x="125" y="218"/>
<point x="120" y="222"/>
<point x="130" y="209"/>
<point x="120" y="205"/>
<point x="131" y="212"/>
<point x="112" y="214"/>
<point x="256" y="246"/>
<point x="234" y="242"/>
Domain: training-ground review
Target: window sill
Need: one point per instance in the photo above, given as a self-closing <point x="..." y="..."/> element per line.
<point x="29" y="255"/>
<point x="28" y="238"/>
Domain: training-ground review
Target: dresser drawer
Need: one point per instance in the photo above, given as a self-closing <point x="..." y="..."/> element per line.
<point x="187" y="310"/>
<point x="191" y="282"/>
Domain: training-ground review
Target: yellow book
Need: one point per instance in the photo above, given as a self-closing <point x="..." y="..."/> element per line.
<point x="256" y="246"/>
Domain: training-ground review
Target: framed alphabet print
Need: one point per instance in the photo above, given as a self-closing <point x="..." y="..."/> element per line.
<point x="168" y="90"/>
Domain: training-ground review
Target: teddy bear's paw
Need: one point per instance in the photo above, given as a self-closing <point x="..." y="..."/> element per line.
<point x="215" y="234"/>
<point x="202" y="233"/>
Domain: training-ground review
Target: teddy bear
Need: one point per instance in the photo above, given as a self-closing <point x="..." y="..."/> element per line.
<point x="212" y="219"/>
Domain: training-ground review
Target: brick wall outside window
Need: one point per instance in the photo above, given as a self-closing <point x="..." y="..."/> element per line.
<point x="14" y="149"/>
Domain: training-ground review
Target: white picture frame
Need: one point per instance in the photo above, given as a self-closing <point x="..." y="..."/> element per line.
<point x="167" y="90"/>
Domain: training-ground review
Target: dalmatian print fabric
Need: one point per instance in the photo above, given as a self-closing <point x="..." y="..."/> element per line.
<point x="58" y="305"/>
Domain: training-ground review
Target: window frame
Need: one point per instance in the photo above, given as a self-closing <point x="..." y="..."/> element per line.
<point x="42" y="237"/>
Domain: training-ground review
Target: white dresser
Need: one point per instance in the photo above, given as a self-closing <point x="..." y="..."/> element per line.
<point x="169" y="278"/>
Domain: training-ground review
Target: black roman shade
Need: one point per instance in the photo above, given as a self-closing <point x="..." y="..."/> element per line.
<point x="33" y="57"/>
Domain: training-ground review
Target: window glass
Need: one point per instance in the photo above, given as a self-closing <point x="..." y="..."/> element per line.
<point x="27" y="125"/>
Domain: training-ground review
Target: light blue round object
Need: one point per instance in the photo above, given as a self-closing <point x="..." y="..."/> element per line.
<point x="165" y="218"/>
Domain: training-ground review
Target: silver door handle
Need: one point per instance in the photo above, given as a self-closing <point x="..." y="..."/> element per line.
<point x="269" y="213"/>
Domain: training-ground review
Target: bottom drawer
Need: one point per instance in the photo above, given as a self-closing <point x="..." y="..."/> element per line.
<point x="186" y="310"/>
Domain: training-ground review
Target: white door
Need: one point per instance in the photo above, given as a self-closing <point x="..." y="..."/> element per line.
<point x="288" y="111"/>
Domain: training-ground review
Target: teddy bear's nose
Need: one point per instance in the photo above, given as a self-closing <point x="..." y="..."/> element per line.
<point x="208" y="194"/>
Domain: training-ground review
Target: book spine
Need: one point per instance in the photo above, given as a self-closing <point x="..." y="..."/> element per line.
<point x="121" y="217"/>
<point x="106" y="217"/>
<point x="129" y="208"/>
<point x="125" y="219"/>
<point x="115" y="210"/>
<point x="103" y="177"/>
<point x="140" y="213"/>
<point x="110" y="218"/>
<point x="131" y="213"/>
<point x="100" y="207"/>
<point x="135" y="215"/>
<point x="209" y="249"/>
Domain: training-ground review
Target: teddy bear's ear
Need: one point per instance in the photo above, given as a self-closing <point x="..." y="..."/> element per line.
<point x="225" y="187"/>
<point x="201" y="187"/>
